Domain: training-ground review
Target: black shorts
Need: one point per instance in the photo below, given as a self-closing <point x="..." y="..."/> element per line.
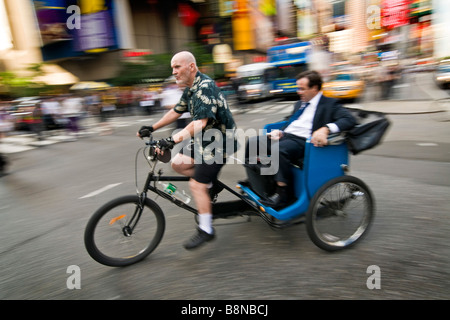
<point x="203" y="172"/>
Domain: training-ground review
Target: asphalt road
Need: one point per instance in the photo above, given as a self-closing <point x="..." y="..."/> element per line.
<point x="50" y="193"/>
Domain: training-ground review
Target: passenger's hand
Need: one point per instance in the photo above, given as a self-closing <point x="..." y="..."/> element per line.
<point x="275" y="134"/>
<point x="319" y="137"/>
<point x="145" y="131"/>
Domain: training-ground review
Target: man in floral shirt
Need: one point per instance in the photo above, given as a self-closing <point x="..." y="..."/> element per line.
<point x="213" y="131"/>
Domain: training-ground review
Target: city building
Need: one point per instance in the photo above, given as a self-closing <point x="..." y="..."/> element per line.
<point x="88" y="39"/>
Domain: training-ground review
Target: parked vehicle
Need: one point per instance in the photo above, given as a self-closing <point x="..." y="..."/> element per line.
<point x="344" y="85"/>
<point x="442" y="74"/>
<point x="254" y="81"/>
<point x="22" y="112"/>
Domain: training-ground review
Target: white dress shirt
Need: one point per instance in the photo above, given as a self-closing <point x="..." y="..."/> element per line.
<point x="303" y="125"/>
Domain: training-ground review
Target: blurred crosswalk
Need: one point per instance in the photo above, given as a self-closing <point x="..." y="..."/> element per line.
<point x="268" y="107"/>
<point x="20" y="142"/>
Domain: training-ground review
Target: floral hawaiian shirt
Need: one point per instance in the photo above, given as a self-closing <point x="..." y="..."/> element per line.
<point x="205" y="100"/>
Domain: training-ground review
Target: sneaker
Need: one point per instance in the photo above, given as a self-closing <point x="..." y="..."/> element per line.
<point x="198" y="239"/>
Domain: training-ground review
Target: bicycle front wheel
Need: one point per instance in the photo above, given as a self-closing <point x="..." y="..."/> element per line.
<point x="340" y="213"/>
<point x="123" y="232"/>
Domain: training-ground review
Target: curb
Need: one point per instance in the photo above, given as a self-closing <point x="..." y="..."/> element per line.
<point x="396" y="107"/>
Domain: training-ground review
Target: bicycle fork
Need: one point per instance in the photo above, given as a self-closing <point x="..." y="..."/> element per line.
<point x="129" y="227"/>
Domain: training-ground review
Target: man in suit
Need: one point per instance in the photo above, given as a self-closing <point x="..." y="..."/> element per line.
<point x="315" y="116"/>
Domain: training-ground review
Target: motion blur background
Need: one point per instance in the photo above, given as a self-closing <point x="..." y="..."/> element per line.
<point x="115" y="55"/>
<point x="96" y="71"/>
<point x="43" y="52"/>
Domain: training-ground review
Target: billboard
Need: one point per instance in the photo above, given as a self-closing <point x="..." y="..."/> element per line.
<point x="394" y="13"/>
<point x="71" y="28"/>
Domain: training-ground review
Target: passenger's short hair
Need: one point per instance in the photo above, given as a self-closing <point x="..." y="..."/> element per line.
<point x="315" y="79"/>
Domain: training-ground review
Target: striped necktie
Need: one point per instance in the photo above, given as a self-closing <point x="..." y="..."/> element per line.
<point x="297" y="114"/>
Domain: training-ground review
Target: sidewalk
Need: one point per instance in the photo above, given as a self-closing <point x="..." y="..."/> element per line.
<point x="416" y="94"/>
<point x="19" y="142"/>
<point x="403" y="106"/>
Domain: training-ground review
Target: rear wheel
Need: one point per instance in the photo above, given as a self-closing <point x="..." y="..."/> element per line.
<point x="120" y="233"/>
<point x="340" y="213"/>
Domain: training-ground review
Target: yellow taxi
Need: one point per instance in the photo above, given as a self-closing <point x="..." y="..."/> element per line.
<point x="344" y="85"/>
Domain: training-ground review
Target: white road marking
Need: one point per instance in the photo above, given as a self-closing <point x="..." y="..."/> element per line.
<point x="145" y="120"/>
<point x="97" y="192"/>
<point x="426" y="144"/>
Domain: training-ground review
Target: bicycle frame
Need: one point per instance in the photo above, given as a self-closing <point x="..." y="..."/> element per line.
<point x="152" y="179"/>
<point x="326" y="199"/>
<point x="308" y="180"/>
<point x="220" y="210"/>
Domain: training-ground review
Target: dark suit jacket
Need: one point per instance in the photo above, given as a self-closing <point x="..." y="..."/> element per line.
<point x="329" y="111"/>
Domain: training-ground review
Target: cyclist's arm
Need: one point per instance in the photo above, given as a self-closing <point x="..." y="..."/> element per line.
<point x="168" y="118"/>
<point x="192" y="128"/>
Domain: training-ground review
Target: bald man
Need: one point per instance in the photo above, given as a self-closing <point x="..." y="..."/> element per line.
<point x="203" y="160"/>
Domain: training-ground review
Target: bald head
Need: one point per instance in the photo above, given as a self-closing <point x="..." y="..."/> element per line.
<point x="184" y="68"/>
<point x="185" y="56"/>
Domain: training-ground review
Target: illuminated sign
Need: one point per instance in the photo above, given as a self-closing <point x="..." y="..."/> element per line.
<point x="66" y="32"/>
<point x="394" y="13"/>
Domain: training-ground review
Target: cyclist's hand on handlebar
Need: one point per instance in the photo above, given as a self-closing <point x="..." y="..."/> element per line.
<point x="145" y="131"/>
<point x="166" y="143"/>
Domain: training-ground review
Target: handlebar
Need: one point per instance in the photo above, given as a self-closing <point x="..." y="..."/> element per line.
<point x="151" y="143"/>
<point x="154" y="144"/>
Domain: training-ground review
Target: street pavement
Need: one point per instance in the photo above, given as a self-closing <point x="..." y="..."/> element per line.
<point x="51" y="192"/>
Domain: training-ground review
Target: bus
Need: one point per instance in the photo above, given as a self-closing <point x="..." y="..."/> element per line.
<point x="254" y="81"/>
<point x="289" y="60"/>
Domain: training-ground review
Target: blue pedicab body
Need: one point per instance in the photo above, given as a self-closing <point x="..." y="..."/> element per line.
<point x="320" y="165"/>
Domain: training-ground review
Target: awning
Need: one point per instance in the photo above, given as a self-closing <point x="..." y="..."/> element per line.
<point x="90" y="85"/>
<point x="54" y="75"/>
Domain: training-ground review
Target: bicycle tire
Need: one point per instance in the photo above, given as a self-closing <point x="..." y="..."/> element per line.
<point x="106" y="240"/>
<point x="340" y="213"/>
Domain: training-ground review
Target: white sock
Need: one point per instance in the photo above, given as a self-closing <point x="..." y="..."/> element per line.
<point x="205" y="222"/>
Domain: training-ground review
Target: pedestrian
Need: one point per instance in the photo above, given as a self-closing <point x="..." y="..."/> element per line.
<point x="50" y="113"/>
<point x="37" y="124"/>
<point x="6" y="121"/>
<point x="202" y="162"/>
<point x="6" y="125"/>
<point x="170" y="96"/>
<point x="107" y="110"/>
<point x="147" y="102"/>
<point x="390" y="77"/>
<point x="314" y="117"/>
<point x="72" y="108"/>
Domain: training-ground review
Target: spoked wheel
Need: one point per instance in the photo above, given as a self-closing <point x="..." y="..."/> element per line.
<point x="122" y="232"/>
<point x="340" y="213"/>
